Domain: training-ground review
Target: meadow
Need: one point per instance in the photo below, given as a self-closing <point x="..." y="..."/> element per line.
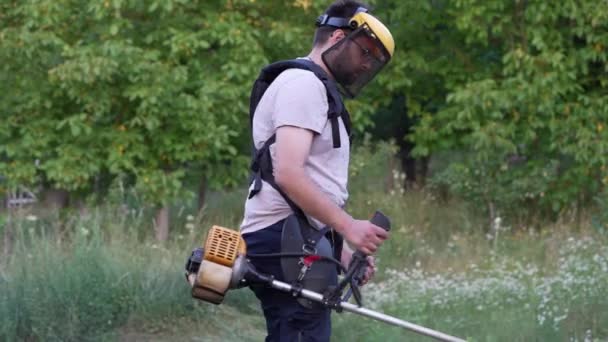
<point x="99" y="275"/>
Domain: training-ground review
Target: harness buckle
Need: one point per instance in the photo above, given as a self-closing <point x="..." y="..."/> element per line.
<point x="308" y="249"/>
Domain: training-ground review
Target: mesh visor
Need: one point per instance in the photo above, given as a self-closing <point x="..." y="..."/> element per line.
<point x="356" y="59"/>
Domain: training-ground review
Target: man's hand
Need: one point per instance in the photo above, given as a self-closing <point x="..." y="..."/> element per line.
<point x="370" y="270"/>
<point x="363" y="235"/>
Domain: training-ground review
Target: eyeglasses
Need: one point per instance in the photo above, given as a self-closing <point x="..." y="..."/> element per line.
<point x="365" y="52"/>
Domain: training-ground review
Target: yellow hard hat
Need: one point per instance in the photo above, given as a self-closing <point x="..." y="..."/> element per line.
<point x="352" y="70"/>
<point x="378" y="30"/>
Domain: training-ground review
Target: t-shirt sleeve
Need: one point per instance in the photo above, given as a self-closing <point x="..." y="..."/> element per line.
<point x="301" y="101"/>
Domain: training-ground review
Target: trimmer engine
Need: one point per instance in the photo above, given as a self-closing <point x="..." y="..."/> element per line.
<point x="217" y="267"/>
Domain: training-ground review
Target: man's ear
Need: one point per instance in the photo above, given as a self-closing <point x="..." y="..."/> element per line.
<point x="337" y="36"/>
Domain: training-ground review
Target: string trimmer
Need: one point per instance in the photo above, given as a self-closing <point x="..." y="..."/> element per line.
<point x="222" y="264"/>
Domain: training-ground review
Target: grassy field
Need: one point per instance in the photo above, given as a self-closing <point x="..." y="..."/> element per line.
<point x="99" y="276"/>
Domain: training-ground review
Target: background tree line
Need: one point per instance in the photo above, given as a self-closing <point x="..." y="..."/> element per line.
<point x="512" y="94"/>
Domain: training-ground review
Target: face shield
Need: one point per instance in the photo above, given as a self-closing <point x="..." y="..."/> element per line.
<point x="355" y="60"/>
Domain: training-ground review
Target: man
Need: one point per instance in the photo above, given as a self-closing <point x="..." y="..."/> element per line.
<point x="307" y="149"/>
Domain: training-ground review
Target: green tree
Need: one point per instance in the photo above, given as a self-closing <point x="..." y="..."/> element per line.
<point x="152" y="91"/>
<point x="544" y="105"/>
<point x="430" y="59"/>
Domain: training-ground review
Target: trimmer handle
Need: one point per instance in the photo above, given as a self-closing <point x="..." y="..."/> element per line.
<point x="380" y="220"/>
<point x="358" y="263"/>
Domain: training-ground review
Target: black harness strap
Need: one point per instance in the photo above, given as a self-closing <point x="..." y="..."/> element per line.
<point x="336" y="110"/>
<point x="261" y="165"/>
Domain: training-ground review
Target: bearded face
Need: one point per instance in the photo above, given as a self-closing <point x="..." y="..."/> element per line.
<point x="354" y="61"/>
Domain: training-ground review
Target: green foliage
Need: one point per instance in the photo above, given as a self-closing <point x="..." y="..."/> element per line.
<point x="156" y="92"/>
<point x="368" y="165"/>
<point x="543" y="103"/>
<point x="151" y="90"/>
<point x="498" y="188"/>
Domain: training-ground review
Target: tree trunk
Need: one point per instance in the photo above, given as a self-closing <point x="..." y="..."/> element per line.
<point x="56" y="198"/>
<point x="390" y="176"/>
<point x="494" y="224"/>
<point x="7" y="238"/>
<point x="416" y="169"/>
<point x="202" y="191"/>
<point x="161" y="223"/>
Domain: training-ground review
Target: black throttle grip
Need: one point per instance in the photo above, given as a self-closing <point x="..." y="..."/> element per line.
<point x="381" y="220"/>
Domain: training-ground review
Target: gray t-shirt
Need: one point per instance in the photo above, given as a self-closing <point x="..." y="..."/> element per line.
<point x="298" y="98"/>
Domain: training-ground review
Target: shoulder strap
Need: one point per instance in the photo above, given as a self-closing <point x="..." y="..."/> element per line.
<point x="336" y="106"/>
<point x="261" y="165"/>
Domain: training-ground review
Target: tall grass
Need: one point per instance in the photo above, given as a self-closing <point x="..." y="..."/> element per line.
<point x="98" y="275"/>
<point x="85" y="284"/>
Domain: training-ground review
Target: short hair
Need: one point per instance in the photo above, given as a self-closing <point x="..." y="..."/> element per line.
<point x="341" y="9"/>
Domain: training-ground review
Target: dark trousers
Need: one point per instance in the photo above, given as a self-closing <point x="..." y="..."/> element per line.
<point x="286" y="319"/>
